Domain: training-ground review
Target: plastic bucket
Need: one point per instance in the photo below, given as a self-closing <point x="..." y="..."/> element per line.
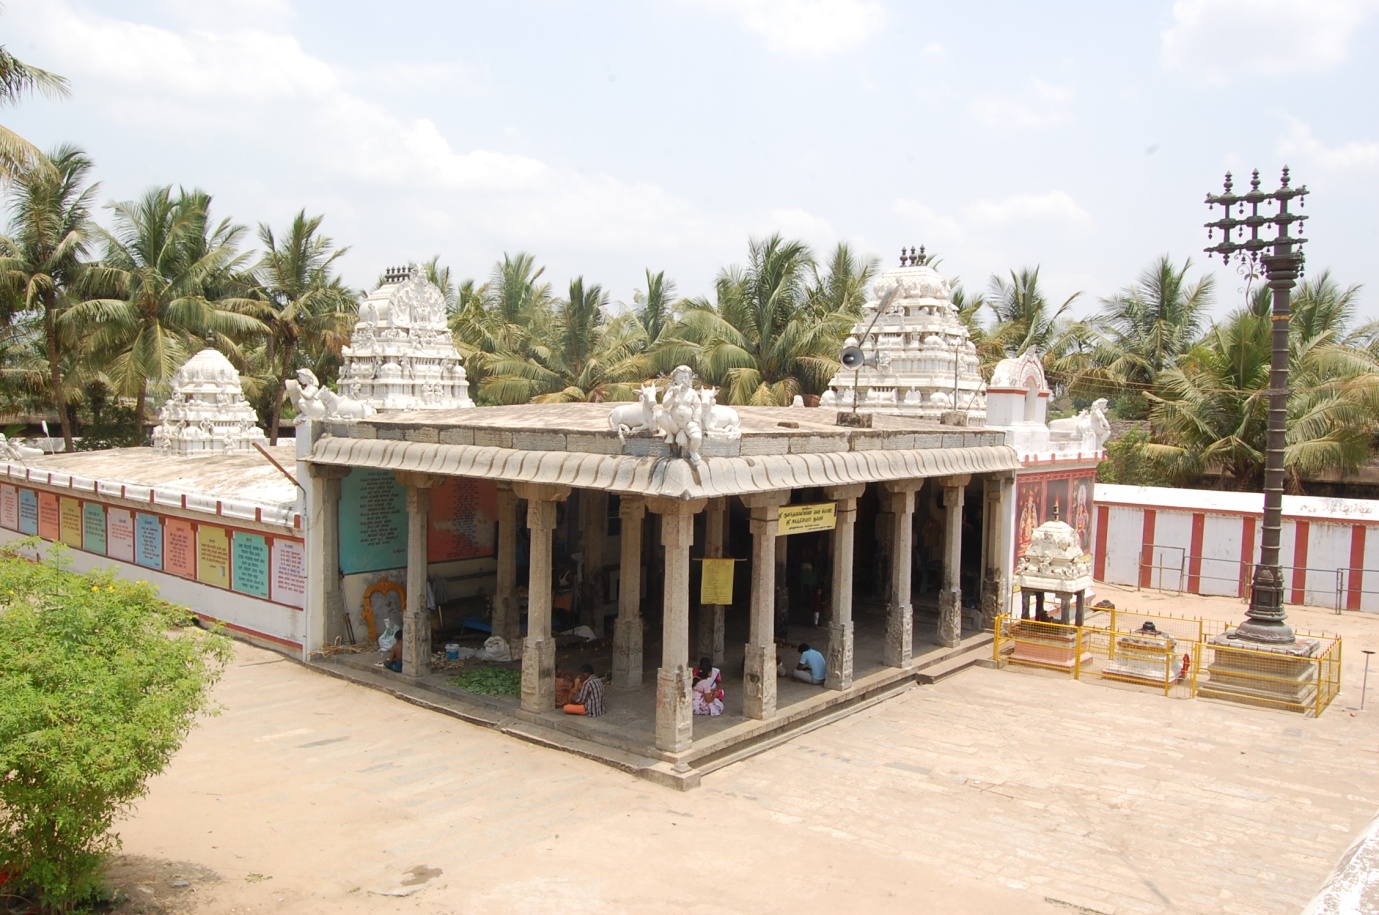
<point x="452" y="651"/>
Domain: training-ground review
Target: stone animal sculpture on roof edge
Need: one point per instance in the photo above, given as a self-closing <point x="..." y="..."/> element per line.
<point x="630" y="418"/>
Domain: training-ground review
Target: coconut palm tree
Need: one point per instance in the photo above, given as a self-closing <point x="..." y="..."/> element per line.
<point x="41" y="259"/>
<point x="1211" y="410"/>
<point x="762" y="343"/>
<point x="302" y="304"/>
<point x="167" y="280"/>
<point x="1022" y="310"/>
<point x="17" y="80"/>
<point x="587" y="358"/>
<point x="1142" y="330"/>
<point x="516" y="309"/>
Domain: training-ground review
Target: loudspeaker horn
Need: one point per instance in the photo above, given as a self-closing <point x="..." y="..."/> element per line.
<point x="853" y="358"/>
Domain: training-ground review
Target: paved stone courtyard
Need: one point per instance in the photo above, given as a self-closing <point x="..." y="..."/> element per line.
<point x="1007" y="791"/>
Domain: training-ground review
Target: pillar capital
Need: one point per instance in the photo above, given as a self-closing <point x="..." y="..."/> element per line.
<point x="541" y="492"/>
<point x="415" y="480"/>
<point x="956" y="481"/>
<point x="671" y="506"/>
<point x="773" y="499"/>
<point x="901" y="486"/>
<point x="327" y="471"/>
<point x="632" y="508"/>
<point x="845" y="491"/>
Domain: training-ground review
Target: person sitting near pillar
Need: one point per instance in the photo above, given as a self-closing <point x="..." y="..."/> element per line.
<point x="588" y="699"/>
<point x="394" y="661"/>
<point x="708" y="689"/>
<point x="812" y="668"/>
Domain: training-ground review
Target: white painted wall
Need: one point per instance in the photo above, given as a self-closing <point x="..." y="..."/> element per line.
<point x="1221" y="540"/>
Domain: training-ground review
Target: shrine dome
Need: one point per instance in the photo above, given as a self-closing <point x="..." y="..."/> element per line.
<point x="207" y="412"/>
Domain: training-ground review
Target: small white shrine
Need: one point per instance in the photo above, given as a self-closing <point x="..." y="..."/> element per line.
<point x="401" y="355"/>
<point x="1018" y="402"/>
<point x="919" y="358"/>
<point x="207" y="412"/>
<point x="1056" y="564"/>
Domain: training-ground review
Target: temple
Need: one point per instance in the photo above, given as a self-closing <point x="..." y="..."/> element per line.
<point x="668" y="529"/>
<point x="918" y="358"/>
<point x="207" y="412"/>
<point x="401" y="355"/>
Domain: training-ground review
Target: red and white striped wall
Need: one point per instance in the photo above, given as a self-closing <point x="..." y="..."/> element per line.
<point x="1205" y="542"/>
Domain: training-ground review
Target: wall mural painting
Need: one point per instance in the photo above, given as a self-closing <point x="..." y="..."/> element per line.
<point x="1039" y="496"/>
<point x="463" y="519"/>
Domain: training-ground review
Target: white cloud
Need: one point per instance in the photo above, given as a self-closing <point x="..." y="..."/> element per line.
<point x="808" y="26"/>
<point x="1055" y="210"/>
<point x="934" y="52"/>
<point x="927" y="225"/>
<point x="1222" y="40"/>
<point x="1301" y="146"/>
<point x="1036" y="105"/>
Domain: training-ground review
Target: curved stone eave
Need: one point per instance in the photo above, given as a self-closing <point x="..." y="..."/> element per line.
<point x="661" y="476"/>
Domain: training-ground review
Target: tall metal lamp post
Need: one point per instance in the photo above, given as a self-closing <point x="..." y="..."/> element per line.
<point x="1281" y="256"/>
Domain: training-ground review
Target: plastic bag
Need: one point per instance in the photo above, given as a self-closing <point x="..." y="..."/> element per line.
<point x="496" y="649"/>
<point x="388" y="639"/>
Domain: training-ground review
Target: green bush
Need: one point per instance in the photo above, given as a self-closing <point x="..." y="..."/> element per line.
<point x="99" y="685"/>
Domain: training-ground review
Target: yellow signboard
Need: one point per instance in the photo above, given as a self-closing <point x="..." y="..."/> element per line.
<point x="801" y="519"/>
<point x="716" y="586"/>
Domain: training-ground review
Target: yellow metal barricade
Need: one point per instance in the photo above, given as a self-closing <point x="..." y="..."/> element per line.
<point x="1031" y="643"/>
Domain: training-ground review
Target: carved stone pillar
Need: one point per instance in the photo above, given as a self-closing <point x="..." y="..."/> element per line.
<point x="507" y="621"/>
<point x="899" y="499"/>
<point x="711" y="616"/>
<point x="627" y="628"/>
<point x="538" y="651"/>
<point x="995" y="575"/>
<point x="840" y="636"/>
<point x="674" y="708"/>
<point x="594" y="517"/>
<point x="326" y="614"/>
<point x="416" y="619"/>
<point x="759" y="662"/>
<point x="950" y="598"/>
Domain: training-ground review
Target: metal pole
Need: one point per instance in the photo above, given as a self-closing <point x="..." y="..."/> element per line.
<point x="1365" y="683"/>
<point x="1282" y="262"/>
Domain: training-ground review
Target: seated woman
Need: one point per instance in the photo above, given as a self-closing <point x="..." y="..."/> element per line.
<point x="708" y="689"/>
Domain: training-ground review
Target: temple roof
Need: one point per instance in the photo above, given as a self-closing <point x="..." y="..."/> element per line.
<point x="572" y="444"/>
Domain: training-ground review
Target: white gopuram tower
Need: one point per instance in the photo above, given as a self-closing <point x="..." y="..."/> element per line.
<point x="207" y="412"/>
<point x="919" y="358"/>
<point x="401" y="355"/>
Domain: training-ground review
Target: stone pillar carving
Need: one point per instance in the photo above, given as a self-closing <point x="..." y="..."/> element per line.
<point x="759" y="661"/>
<point x="995" y="575"/>
<point x="326" y="618"/>
<point x="840" y="637"/>
<point x="627" y="628"/>
<point x="950" y="598"/>
<point x="416" y="618"/>
<point x="711" y="616"/>
<point x="674" y="708"/>
<point x="899" y="497"/>
<point x="538" y="651"/>
<point x="507" y="621"/>
<point x="593" y="509"/>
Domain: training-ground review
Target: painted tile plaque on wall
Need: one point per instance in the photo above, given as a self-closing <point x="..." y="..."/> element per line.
<point x="93" y="527"/>
<point x="69" y="514"/>
<point x="213" y="556"/>
<point x="28" y="511"/>
<point x="9" y="507"/>
<point x="148" y="541"/>
<point x="373" y="522"/>
<point x="119" y="526"/>
<point x="289" y="573"/>
<point x="49" y="516"/>
<point x="179" y="548"/>
<point x="250" y="564"/>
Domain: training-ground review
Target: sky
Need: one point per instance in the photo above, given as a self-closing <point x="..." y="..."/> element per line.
<point x="612" y="138"/>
